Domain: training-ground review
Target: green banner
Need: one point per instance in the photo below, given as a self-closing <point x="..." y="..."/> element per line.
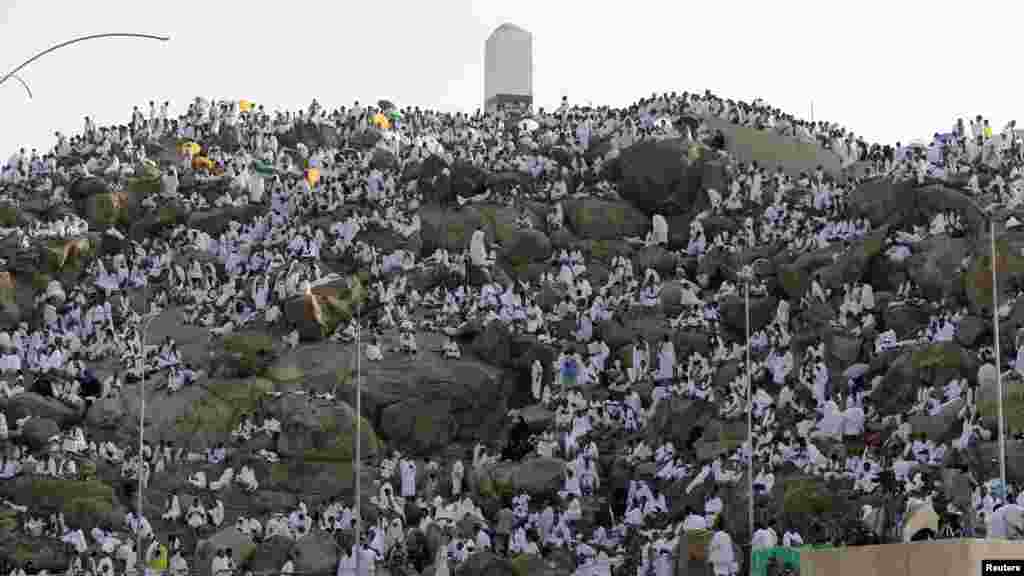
<point x="785" y="557"/>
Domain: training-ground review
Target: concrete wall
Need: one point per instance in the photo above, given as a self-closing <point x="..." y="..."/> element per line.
<point x="934" y="558"/>
<point x="508" y="63"/>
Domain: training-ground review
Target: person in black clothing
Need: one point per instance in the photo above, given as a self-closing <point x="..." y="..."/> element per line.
<point x="718" y="141"/>
<point x="691" y="441"/>
<point x="44" y="387"/>
<point x="90" y="384"/>
<point x="518" y="440"/>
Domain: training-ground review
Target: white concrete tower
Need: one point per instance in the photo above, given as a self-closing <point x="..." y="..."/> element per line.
<point x="508" y="68"/>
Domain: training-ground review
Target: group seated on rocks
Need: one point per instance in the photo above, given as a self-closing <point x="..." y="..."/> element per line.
<point x="630" y="335"/>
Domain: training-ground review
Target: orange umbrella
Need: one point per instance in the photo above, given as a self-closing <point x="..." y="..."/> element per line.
<point x="202" y="163"/>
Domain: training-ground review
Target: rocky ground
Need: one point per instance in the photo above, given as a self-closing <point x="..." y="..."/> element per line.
<point x="430" y="407"/>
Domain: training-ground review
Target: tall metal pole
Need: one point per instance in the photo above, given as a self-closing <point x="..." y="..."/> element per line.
<point x="357" y="468"/>
<point x="141" y="367"/>
<point x="999" y="367"/>
<point x="140" y="364"/>
<point x="11" y="74"/>
<point x="750" y="418"/>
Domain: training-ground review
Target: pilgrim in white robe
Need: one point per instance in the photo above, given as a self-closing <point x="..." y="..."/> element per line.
<point x="408" y="471"/>
<point x="458" y="474"/>
<point x="666" y="361"/>
<point x="659" y="230"/>
<point x="722" y="555"/>
<point x="537" y="379"/>
<point x="478" y="249"/>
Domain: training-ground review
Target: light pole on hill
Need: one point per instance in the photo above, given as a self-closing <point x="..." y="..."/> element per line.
<point x="140" y="366"/>
<point x="999" y="368"/>
<point x="746" y="274"/>
<point x="357" y="465"/>
<point x="55" y="47"/>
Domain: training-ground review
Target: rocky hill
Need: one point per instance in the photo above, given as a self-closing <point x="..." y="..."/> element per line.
<point x="430" y="407"/>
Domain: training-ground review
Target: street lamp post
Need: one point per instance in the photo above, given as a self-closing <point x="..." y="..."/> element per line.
<point x="999" y="368"/>
<point x="747" y="273"/>
<point x="357" y="464"/>
<point x="55" y="47"/>
<point x="141" y="368"/>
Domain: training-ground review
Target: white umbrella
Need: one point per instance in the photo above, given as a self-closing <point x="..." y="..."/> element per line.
<point x="528" y="124"/>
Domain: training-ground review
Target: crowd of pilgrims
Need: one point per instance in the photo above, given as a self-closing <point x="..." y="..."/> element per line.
<point x="244" y="275"/>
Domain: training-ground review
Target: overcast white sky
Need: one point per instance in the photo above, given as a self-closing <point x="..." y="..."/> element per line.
<point x="892" y="70"/>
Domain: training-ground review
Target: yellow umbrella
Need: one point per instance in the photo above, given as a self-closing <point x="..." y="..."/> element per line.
<point x="191" y="148"/>
<point x="244" y="106"/>
<point x="313" y="176"/>
<point x="381" y="121"/>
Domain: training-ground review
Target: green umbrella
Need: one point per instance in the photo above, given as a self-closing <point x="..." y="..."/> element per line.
<point x="394" y="114"/>
<point x="263" y="168"/>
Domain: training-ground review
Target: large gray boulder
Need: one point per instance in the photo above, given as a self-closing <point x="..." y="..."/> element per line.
<point x="1009" y="267"/>
<point x="107" y="414"/>
<point x="906" y="319"/>
<point x="523" y="246"/>
<point x="387" y="240"/>
<point x="311" y="428"/>
<point x="936" y="266"/>
<point x="942" y="427"/>
<point x="316" y="553"/>
<point x="30" y="403"/>
<point x="486" y="564"/>
<point x="37" y="432"/>
<point x="535" y="476"/>
<point x="271" y="554"/>
<point x="449" y="229"/>
<point x="854" y="263"/>
<point x="425" y="402"/>
<point x="47" y="554"/>
<point x="87" y="186"/>
<point x="905" y="204"/>
<point x="658" y="176"/>
<point x="676" y="419"/>
<point x="216" y="221"/>
<point x="932" y="365"/>
<point x="594" y="219"/>
<point x="241" y="546"/>
<point x="657" y="258"/>
<point x="734" y="313"/>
